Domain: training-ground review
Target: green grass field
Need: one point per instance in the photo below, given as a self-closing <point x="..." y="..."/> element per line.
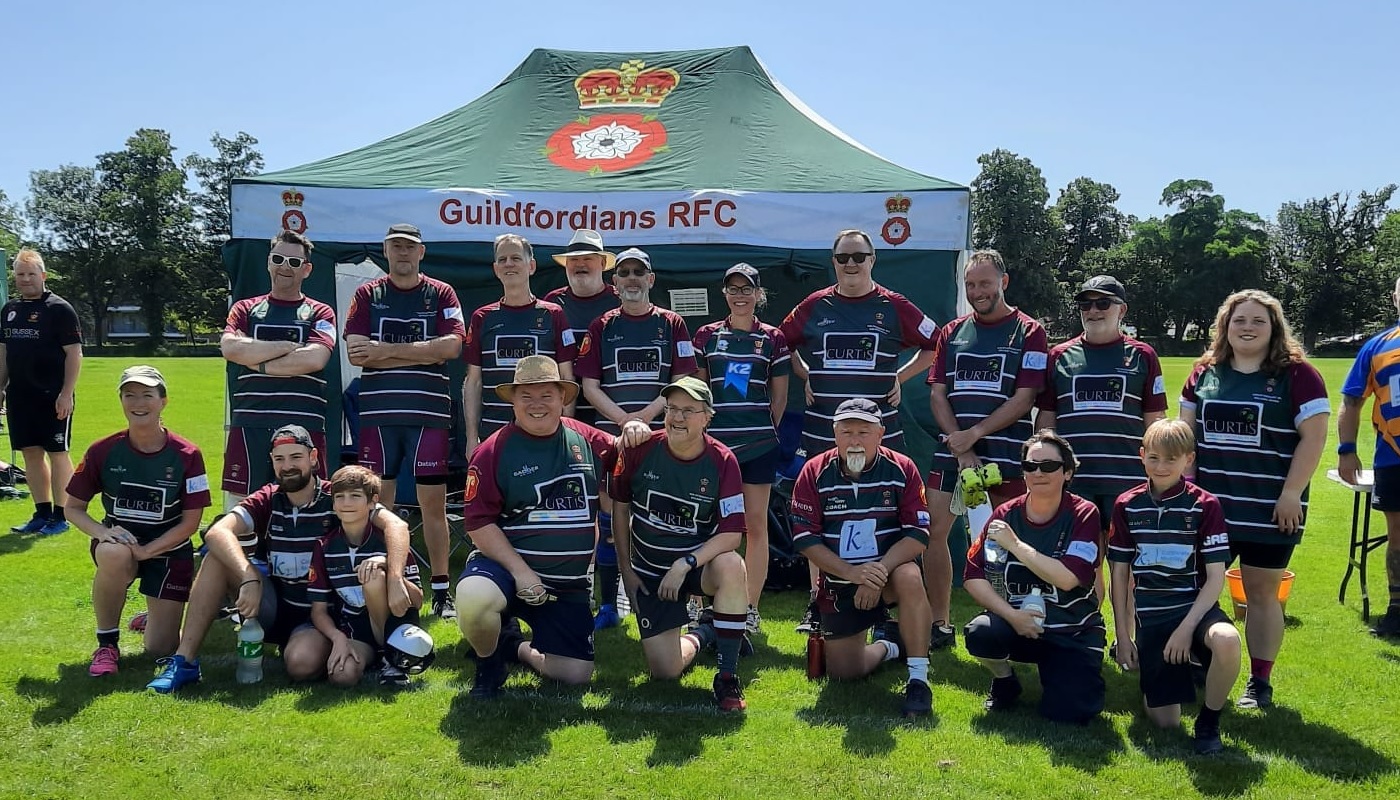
<point x="67" y="735"/>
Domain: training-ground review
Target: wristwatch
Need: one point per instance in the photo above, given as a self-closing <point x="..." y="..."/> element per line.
<point x="690" y="561"/>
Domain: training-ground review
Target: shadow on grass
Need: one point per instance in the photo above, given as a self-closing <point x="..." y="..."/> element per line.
<point x="1229" y="774"/>
<point x="11" y="543"/>
<point x="62" y="698"/>
<point x="1089" y="747"/>
<point x="868" y="710"/>
<point x="1317" y="748"/>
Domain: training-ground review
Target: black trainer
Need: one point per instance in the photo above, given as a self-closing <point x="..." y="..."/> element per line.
<point x="1258" y="693"/>
<point x="1388" y="626"/>
<point x="490" y="676"/>
<point x="1003" y="694"/>
<point x="1206" y="739"/>
<point x="444" y="607"/>
<point x="942" y="636"/>
<point x="888" y="631"/>
<point x="918" y="699"/>
<point x="811" y="620"/>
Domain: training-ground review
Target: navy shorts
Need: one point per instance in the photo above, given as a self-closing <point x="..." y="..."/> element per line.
<point x="840" y="617"/>
<point x="1166" y="684"/>
<point x="279" y="618"/>
<point x="166" y="577"/>
<point x="1261" y="554"/>
<point x="384" y="447"/>
<point x="762" y="469"/>
<point x="1386" y="494"/>
<point x="1071" y="676"/>
<point x="656" y="616"/>
<point x="560" y="627"/>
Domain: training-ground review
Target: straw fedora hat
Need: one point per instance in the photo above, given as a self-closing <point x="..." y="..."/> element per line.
<point x="586" y="243"/>
<point x="537" y="369"/>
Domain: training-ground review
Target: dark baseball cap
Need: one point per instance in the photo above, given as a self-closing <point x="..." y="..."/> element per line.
<point x="749" y="272"/>
<point x="292" y="434"/>
<point x="858" y="408"/>
<point x="1103" y="284"/>
<point x="404" y="230"/>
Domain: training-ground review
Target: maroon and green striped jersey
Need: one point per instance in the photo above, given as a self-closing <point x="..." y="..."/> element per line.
<point x="258" y="400"/>
<point x="146" y="493"/>
<point x="860" y="518"/>
<point x="333" y="578"/>
<point x="1070" y="537"/>
<point x="1099" y="393"/>
<point x="852" y="348"/>
<point x="634" y="357"/>
<point x="740" y="364"/>
<point x="415" y="395"/>
<point x="498" y="336"/>
<point x="543" y="494"/>
<point x="982" y="365"/>
<point x="1168" y="540"/>
<point x="284" y="535"/>
<point x="677" y="504"/>
<point x="1246" y="433"/>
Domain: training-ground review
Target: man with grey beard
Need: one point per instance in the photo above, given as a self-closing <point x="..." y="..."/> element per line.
<point x="860" y="514"/>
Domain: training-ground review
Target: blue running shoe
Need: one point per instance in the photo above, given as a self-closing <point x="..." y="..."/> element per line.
<point x="175" y="672"/>
<point x="34" y="525"/>
<point x="607" y="617"/>
<point x="53" y="526"/>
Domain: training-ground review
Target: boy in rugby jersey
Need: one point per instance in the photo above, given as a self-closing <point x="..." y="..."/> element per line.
<point x="349" y="584"/>
<point x="1168" y="547"/>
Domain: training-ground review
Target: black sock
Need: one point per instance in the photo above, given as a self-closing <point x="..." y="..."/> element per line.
<point x="1208" y="717"/>
<point x="109" y="638"/>
<point x="44" y="510"/>
<point x="608" y="576"/>
<point x="440" y="585"/>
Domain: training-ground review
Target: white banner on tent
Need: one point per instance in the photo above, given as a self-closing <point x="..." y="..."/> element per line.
<point x="935" y="220"/>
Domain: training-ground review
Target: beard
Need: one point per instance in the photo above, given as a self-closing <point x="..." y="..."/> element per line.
<point x="854" y="461"/>
<point x="294" y="482"/>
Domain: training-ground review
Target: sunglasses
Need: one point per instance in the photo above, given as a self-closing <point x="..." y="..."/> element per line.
<point x="1102" y="304"/>
<point x="846" y="258"/>
<point x="278" y="260"/>
<point x="1042" y="466"/>
<point x="629" y="273"/>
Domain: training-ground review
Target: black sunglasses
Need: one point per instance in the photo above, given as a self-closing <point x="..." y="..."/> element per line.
<point x="1042" y="466"/>
<point x="295" y="262"/>
<point x="1102" y="304"/>
<point x="846" y="258"/>
<point x="632" y="273"/>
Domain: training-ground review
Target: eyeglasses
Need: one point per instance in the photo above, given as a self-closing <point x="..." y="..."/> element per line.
<point x="846" y="258"/>
<point x="746" y="291"/>
<point x="1102" y="304"/>
<point x="1042" y="466"/>
<point x="294" y="262"/>
<point x="686" y="413"/>
<point x="628" y="273"/>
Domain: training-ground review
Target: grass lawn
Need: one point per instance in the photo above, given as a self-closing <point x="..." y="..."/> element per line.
<point x="67" y="735"/>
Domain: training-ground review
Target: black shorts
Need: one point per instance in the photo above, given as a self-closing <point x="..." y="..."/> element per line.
<point x="1166" y="684"/>
<point x="1385" y="496"/>
<point x="1261" y="554"/>
<point x="34" y="423"/>
<point x="656" y="616"/>
<point x="279" y="618"/>
<point x="166" y="577"/>
<point x="760" y="470"/>
<point x="840" y="617"/>
<point x="1071" y="677"/>
<point x="560" y="627"/>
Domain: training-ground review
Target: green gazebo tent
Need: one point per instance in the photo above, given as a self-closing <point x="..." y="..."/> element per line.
<point x="699" y="156"/>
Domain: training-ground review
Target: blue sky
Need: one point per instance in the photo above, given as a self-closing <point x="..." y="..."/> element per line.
<point x="1271" y="101"/>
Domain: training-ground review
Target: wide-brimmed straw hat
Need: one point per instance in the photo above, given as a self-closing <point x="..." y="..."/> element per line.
<point x="537" y="369"/>
<point x="586" y="243"/>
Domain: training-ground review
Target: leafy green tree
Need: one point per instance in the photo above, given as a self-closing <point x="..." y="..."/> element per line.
<point x="204" y="300"/>
<point x="11" y="225"/>
<point x="1085" y="219"/>
<point x="1010" y="215"/>
<point x="145" y="188"/>
<point x="84" y="250"/>
<point x="1328" y="254"/>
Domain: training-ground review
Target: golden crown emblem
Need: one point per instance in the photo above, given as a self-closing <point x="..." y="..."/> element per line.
<point x="898" y="204"/>
<point x="292" y="198"/>
<point x="631" y="86"/>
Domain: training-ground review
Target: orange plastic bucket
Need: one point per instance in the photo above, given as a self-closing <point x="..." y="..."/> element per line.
<point x="1236" y="584"/>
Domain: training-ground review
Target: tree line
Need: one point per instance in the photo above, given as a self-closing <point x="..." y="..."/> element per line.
<point x="139" y="226"/>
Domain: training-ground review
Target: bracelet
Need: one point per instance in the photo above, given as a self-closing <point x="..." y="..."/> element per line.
<point x="262" y="367"/>
<point x="1346" y="448"/>
<point x="250" y="580"/>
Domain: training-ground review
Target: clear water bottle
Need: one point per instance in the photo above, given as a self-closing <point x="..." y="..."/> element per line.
<point x="1035" y="601"/>
<point x="250" y="652"/>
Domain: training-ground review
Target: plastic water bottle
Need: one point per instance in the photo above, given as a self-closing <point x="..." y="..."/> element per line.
<point x="250" y="652"/>
<point x="1035" y="602"/>
<point x="816" y="655"/>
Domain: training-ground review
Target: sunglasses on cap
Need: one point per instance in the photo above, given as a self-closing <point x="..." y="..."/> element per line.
<point x="294" y="262"/>
<point x="1101" y="303"/>
<point x="1047" y="467"/>
<point x="846" y="258"/>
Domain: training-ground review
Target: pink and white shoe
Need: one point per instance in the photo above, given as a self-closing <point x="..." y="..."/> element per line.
<point x="104" y="661"/>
